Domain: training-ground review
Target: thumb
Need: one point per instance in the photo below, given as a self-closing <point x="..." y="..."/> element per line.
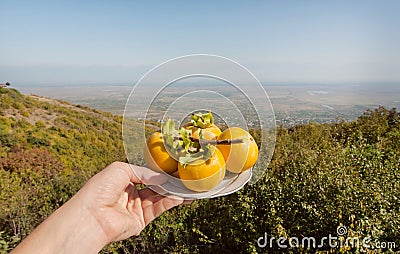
<point x="147" y="176"/>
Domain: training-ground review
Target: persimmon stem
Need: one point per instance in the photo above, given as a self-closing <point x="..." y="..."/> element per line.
<point x="214" y="141"/>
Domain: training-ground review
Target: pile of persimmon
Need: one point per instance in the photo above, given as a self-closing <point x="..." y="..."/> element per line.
<point x="199" y="152"/>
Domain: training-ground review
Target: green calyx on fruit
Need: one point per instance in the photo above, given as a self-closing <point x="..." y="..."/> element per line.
<point x="177" y="141"/>
<point x="204" y="153"/>
<point x="202" y="120"/>
<point x="181" y="146"/>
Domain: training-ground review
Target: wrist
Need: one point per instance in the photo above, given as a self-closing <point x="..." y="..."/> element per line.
<point x="70" y="229"/>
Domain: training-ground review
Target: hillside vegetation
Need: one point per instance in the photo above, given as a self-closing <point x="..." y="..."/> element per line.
<point x="322" y="176"/>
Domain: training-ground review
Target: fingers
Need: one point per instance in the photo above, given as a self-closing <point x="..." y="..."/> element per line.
<point x="148" y="196"/>
<point x="153" y="210"/>
<point x="187" y="201"/>
<point x="134" y="202"/>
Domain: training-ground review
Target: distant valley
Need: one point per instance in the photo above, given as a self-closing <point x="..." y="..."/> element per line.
<point x="292" y="103"/>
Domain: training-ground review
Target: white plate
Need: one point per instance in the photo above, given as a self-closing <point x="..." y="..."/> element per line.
<point x="230" y="184"/>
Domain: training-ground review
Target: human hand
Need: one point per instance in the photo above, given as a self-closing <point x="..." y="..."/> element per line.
<point x="107" y="208"/>
<point x="121" y="210"/>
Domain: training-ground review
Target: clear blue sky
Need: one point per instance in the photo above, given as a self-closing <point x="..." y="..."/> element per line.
<point x="62" y="42"/>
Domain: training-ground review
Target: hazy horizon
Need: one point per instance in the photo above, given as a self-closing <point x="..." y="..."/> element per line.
<point x="74" y="42"/>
